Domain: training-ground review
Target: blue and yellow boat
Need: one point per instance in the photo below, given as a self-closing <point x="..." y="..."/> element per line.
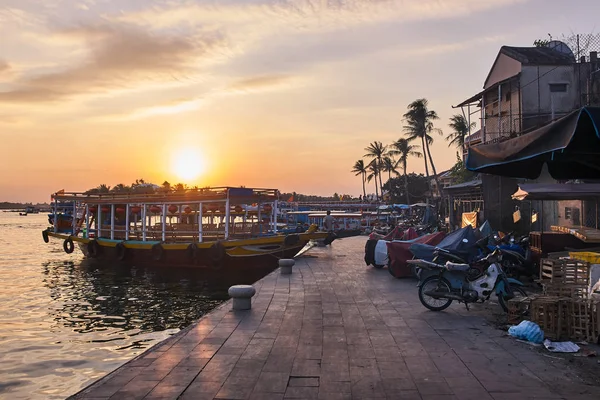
<point x="218" y="228"/>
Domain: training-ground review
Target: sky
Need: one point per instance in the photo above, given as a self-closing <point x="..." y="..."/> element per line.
<point x="262" y="93"/>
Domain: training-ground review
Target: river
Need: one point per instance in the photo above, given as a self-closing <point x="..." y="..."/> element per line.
<point x="66" y="321"/>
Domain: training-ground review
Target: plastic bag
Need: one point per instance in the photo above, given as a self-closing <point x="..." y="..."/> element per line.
<point x="527" y="330"/>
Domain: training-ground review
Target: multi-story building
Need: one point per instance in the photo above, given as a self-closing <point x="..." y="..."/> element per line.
<point x="526" y="88"/>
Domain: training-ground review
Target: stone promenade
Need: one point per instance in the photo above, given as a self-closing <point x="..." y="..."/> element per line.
<point x="337" y="329"/>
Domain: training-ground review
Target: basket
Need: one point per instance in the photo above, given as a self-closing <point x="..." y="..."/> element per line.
<point x="552" y="315"/>
<point x="587" y="256"/>
<point x="565" y="271"/>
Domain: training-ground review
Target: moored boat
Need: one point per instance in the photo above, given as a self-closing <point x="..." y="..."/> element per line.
<point x="215" y="228"/>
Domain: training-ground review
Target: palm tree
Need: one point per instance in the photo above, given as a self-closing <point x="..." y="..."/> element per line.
<point x="376" y="150"/>
<point x="419" y="125"/>
<point x="460" y="129"/>
<point x="404" y="149"/>
<point x="103" y="188"/>
<point x="359" y="169"/>
<point x="120" y="188"/>
<point x="166" y="186"/>
<point x="373" y="168"/>
<point x="390" y="165"/>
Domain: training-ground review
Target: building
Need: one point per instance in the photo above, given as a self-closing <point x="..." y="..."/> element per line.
<point x="525" y="89"/>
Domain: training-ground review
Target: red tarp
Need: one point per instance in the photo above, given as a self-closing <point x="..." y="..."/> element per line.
<point x="398" y="253"/>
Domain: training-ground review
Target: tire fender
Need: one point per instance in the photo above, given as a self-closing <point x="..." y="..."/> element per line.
<point x="121" y="251"/>
<point x="158" y="252"/>
<point x="93" y="248"/>
<point x="68" y="245"/>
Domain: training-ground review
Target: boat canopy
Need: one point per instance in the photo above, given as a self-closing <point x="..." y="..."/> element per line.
<point x="570" y="147"/>
<point x="235" y="194"/>
<point x="558" y="191"/>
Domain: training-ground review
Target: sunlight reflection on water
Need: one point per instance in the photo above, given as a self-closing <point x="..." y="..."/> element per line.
<point x="66" y="321"/>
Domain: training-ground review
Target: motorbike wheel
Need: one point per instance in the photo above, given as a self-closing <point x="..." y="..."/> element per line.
<point x="519" y="293"/>
<point x="434" y="283"/>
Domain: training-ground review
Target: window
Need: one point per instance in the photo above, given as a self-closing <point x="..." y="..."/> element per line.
<point x="558" y="87"/>
<point x="567" y="212"/>
<point x="507" y="96"/>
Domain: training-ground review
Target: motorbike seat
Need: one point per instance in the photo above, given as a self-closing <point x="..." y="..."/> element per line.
<point x="450" y="266"/>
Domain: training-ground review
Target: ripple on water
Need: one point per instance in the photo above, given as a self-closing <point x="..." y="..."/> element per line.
<point x="67" y="322"/>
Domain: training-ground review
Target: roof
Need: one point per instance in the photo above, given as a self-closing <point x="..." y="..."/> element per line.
<point x="570" y="147"/>
<point x="557" y="191"/>
<point x="477" y="97"/>
<point x="537" y="55"/>
<point x="471" y="184"/>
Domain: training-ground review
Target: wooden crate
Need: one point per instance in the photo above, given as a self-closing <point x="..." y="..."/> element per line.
<point x="565" y="291"/>
<point x="583" y="320"/>
<point x="518" y="309"/>
<point x="566" y="271"/>
<point x="551" y="314"/>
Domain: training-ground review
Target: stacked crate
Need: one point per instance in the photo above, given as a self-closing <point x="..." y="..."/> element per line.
<point x="552" y="315"/>
<point x="518" y="309"/>
<point x="571" y="314"/>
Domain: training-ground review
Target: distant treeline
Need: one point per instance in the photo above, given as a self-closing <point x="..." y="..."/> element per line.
<point x="5" y="205"/>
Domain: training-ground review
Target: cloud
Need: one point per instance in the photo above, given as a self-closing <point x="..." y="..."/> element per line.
<point x="309" y="14"/>
<point x="262" y="82"/>
<point x="118" y="56"/>
<point x="4" y="66"/>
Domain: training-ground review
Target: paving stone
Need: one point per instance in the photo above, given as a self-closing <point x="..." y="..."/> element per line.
<point x="337" y="329"/>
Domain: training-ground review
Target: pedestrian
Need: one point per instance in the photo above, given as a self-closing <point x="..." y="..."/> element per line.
<point x="328" y="222"/>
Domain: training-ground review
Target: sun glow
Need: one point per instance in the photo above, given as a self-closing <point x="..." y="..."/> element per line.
<point x="188" y="164"/>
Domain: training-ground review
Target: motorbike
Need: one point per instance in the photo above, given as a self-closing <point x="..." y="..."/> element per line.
<point x="516" y="255"/>
<point x="465" y="283"/>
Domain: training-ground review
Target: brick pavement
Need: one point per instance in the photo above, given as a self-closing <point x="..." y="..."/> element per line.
<point x="336" y="329"/>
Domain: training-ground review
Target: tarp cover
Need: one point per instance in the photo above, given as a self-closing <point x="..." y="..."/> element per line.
<point x="398" y="253"/>
<point x="557" y="191"/>
<point x="570" y="146"/>
<point x="454" y="241"/>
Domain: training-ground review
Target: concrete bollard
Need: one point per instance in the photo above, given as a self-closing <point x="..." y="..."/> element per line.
<point x="242" y="296"/>
<point x="286" y="265"/>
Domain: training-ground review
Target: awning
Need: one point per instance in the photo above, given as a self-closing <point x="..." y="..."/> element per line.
<point x="465" y="185"/>
<point x="570" y="146"/>
<point x="558" y="191"/>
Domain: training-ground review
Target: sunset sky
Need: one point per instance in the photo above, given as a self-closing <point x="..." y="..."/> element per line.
<point x="267" y="93"/>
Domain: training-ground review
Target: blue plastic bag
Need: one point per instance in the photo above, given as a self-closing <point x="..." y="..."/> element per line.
<point x="527" y="330"/>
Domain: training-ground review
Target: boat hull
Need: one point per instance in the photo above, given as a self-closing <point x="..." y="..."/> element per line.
<point x="255" y="254"/>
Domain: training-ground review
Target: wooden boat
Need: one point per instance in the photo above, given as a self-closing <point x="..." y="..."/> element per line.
<point x="215" y="228"/>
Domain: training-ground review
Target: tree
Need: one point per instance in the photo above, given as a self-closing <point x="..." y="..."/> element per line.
<point x="542" y="42"/>
<point x="460" y="129"/>
<point x="166" y="186"/>
<point x="389" y="165"/>
<point x="419" y="125"/>
<point x="360" y="169"/>
<point x="459" y="172"/>
<point x="403" y="149"/>
<point x="376" y="150"/>
<point x="373" y="168"/>
<point x="120" y="188"/>
<point x="180" y="187"/>
<point x="416" y="190"/>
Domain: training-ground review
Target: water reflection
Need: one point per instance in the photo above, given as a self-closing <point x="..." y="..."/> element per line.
<point x="67" y="321"/>
<point x="119" y="303"/>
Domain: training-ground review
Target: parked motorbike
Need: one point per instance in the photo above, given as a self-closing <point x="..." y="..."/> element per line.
<point x="516" y="255"/>
<point x="466" y="283"/>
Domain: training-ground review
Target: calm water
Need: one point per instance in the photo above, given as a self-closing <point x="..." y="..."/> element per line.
<point x="65" y="321"/>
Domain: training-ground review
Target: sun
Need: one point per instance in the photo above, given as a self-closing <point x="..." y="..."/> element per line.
<point x="188" y="164"/>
